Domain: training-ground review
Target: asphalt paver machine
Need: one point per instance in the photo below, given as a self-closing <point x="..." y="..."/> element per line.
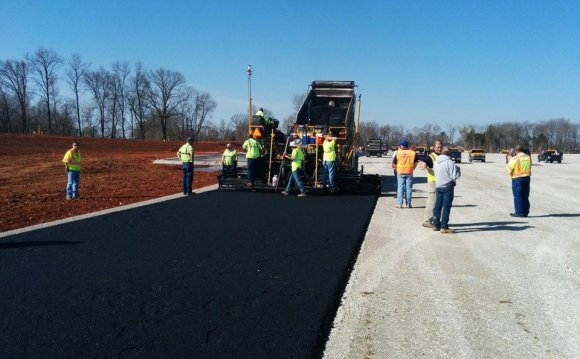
<point x="329" y="108"/>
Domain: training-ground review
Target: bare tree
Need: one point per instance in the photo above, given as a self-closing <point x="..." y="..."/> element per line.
<point x="204" y="107"/>
<point x="240" y="126"/>
<point x="44" y="65"/>
<point x="138" y="105"/>
<point x="74" y="77"/>
<point x="166" y="91"/>
<point x="98" y="84"/>
<point x="121" y="72"/>
<point x="14" y="76"/>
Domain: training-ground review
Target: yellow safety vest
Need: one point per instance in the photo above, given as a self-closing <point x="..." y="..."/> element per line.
<point x="229" y="156"/>
<point x="297" y="158"/>
<point x="252" y="148"/>
<point x="329" y="148"/>
<point x="185" y="153"/>
<point x="73" y="161"/>
<point x="405" y="161"/>
<point x="431" y="171"/>
<point x="263" y="116"/>
<point x="520" y="166"/>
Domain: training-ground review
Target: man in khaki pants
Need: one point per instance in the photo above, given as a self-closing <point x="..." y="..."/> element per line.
<point x="428" y="165"/>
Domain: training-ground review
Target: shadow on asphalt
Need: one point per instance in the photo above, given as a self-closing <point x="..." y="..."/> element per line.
<point x="10" y="245"/>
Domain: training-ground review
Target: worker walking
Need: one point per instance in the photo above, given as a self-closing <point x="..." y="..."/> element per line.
<point x="404" y="162"/>
<point x="329" y="162"/>
<point x="519" y="168"/>
<point x="446" y="175"/>
<point x="186" y="155"/>
<point x="230" y="160"/>
<point x="253" y="151"/>
<point x="297" y="158"/>
<point x="429" y="166"/>
<point x="72" y="163"/>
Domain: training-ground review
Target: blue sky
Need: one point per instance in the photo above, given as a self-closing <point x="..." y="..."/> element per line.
<point x="415" y="62"/>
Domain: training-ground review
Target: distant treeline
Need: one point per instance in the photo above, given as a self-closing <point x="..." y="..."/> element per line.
<point x="132" y="102"/>
<point x="560" y="134"/>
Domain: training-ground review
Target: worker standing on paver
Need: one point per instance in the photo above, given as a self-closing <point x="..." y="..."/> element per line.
<point x="429" y="166"/>
<point x="519" y="168"/>
<point x="186" y="155"/>
<point x="253" y="151"/>
<point x="72" y="163"/>
<point x="230" y="159"/>
<point x="297" y="158"/>
<point x="446" y="175"/>
<point x="404" y="163"/>
<point x="329" y="162"/>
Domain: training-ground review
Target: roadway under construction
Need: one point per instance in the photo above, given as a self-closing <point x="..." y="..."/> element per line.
<point x="216" y="275"/>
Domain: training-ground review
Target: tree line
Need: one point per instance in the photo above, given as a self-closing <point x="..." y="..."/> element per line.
<point x="561" y="134"/>
<point x="133" y="102"/>
<point x="117" y="102"/>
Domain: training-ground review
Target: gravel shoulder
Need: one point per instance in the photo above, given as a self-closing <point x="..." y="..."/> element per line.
<point x="500" y="287"/>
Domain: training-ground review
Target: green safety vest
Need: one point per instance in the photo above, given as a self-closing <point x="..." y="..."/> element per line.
<point x="329" y="148"/>
<point x="252" y="148"/>
<point x="73" y="161"/>
<point x="185" y="153"/>
<point x="264" y="117"/>
<point x="297" y="158"/>
<point x="431" y="171"/>
<point x="229" y="157"/>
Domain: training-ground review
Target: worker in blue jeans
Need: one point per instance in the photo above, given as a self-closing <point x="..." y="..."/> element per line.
<point x="446" y="175"/>
<point x="297" y="158"/>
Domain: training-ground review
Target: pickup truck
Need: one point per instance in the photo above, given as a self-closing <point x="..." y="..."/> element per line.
<point x="455" y="154"/>
<point x="477" y="154"/>
<point x="550" y="156"/>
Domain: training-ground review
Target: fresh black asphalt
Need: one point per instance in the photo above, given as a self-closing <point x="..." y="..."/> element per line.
<point x="215" y="275"/>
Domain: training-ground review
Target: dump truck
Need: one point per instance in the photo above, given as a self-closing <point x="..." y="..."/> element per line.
<point x="328" y="108"/>
<point x="374" y="147"/>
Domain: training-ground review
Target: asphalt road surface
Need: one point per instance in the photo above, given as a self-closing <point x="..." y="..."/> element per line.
<point x="215" y="275"/>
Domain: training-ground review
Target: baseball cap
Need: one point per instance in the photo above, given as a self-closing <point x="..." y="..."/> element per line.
<point x="404" y="143"/>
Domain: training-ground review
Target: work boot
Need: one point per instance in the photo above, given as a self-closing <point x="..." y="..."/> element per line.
<point x="284" y="193"/>
<point x="427" y="224"/>
<point x="436" y="229"/>
<point x="303" y="194"/>
<point x="447" y="230"/>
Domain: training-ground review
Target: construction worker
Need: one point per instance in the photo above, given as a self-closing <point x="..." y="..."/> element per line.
<point x="329" y="162"/>
<point x="519" y="168"/>
<point x="230" y="160"/>
<point x="297" y="158"/>
<point x="446" y="175"/>
<point x="72" y="163"/>
<point x="253" y="151"/>
<point x="404" y="163"/>
<point x="428" y="164"/>
<point x="185" y="155"/>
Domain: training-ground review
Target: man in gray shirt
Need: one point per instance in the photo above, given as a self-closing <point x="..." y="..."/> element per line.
<point x="446" y="175"/>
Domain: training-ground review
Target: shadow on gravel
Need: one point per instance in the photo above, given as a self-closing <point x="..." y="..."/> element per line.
<point x="560" y="215"/>
<point x="490" y="226"/>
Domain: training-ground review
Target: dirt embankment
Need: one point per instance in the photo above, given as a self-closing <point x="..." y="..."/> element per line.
<point x="114" y="172"/>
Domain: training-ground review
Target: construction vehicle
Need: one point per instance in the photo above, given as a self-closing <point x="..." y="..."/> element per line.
<point x="374" y="147"/>
<point x="329" y="108"/>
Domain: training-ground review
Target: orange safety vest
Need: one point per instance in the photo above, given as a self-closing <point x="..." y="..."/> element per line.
<point x="520" y="166"/>
<point x="405" y="162"/>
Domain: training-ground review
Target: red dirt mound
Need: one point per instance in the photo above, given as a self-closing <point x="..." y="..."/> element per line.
<point x="114" y="173"/>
